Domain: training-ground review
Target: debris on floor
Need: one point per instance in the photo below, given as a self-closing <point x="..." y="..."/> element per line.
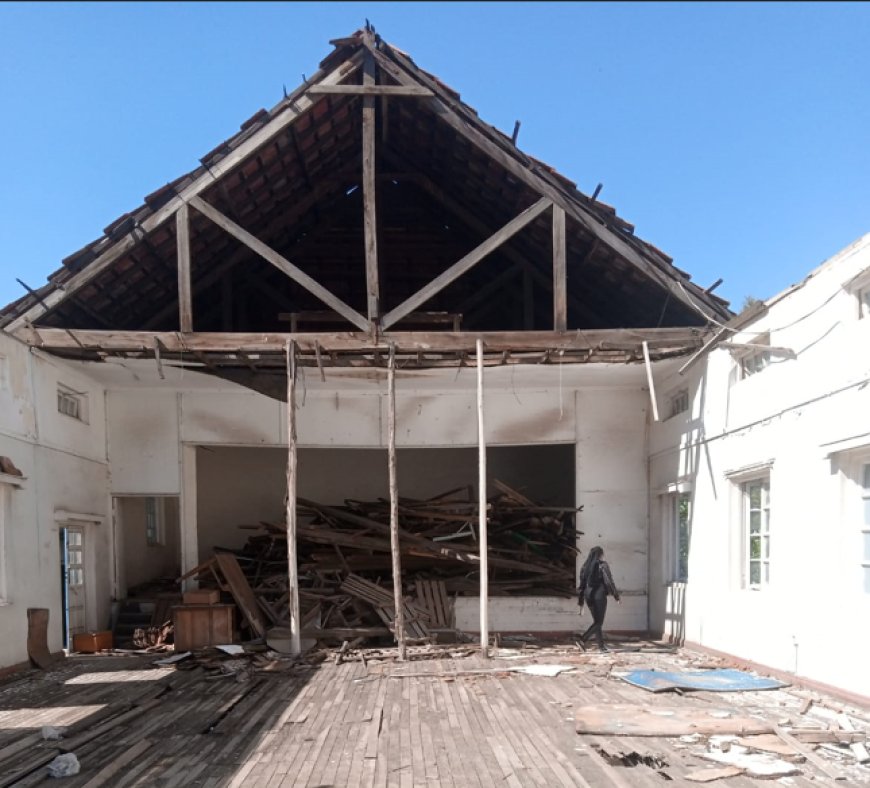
<point x="345" y="565"/>
<point x="717" y="680"/>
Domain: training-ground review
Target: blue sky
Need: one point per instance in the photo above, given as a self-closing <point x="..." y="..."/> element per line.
<point x="734" y="136"/>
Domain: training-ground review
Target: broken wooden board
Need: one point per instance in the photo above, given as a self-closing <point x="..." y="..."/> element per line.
<point x="241" y="591"/>
<point x="754" y="764"/>
<point x="708" y="775"/>
<point x="37" y="637"/>
<point x="624" y="719"/>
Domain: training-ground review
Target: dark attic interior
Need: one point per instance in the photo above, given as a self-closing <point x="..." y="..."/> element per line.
<point x="369" y="206"/>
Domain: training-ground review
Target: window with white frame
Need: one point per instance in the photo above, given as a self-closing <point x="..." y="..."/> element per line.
<point x="154" y="526"/>
<point x="681" y="535"/>
<point x="865" y="525"/>
<point x="679" y="402"/>
<point x="755" y="358"/>
<point x="755" y="494"/>
<point x="864" y="302"/>
<point x="72" y="403"/>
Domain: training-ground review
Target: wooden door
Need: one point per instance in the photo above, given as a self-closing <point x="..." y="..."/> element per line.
<point x="75" y="612"/>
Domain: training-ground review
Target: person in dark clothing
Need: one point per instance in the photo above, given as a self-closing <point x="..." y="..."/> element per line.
<point x="596" y="583"/>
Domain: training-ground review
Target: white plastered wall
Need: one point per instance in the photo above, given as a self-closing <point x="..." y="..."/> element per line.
<point x="601" y="410"/>
<point x="63" y="462"/>
<point x="809" y="418"/>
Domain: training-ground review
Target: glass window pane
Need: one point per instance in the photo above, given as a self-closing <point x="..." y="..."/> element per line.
<point x="867" y="474"/>
<point x="755" y="547"/>
<point x="75" y="537"/>
<point x="867" y="511"/>
<point x="754" y="496"/>
<point x="754" y="573"/>
<point x="866" y="536"/>
<point x="767" y="573"/>
<point x="867" y="579"/>
<point x="754" y="522"/>
<point x="766" y="547"/>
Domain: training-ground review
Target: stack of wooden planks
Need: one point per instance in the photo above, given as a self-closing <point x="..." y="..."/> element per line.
<point x="345" y="570"/>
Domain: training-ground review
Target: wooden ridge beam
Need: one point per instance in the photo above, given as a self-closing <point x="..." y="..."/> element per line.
<point x="280" y="262"/>
<point x="215" y="170"/>
<point x="467" y="262"/>
<point x="405" y="341"/>
<point x="370" y="90"/>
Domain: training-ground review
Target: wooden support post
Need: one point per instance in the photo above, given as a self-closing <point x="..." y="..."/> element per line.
<point x="292" y="563"/>
<point x="482" y="527"/>
<point x="649" y="377"/>
<point x="182" y="237"/>
<point x="369" y="197"/>
<point x="560" y="278"/>
<point x="399" y="622"/>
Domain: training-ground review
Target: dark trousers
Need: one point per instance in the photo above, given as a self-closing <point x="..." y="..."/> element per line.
<point x="596" y="601"/>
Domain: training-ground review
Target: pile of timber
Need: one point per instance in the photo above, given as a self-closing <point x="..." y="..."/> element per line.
<point x="345" y="568"/>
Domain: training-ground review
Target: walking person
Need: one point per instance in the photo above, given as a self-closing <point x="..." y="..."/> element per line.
<point x="596" y="583"/>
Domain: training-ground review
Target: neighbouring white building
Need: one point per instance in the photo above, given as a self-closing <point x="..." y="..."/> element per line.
<point x="143" y="389"/>
<point x="760" y="484"/>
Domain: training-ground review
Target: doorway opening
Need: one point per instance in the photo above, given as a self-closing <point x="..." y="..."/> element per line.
<point x="73" y="582"/>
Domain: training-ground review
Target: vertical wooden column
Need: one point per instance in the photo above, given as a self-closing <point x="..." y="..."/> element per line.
<point x="399" y="622"/>
<point x="652" y="385"/>
<point x="560" y="276"/>
<point x="182" y="238"/>
<point x="189" y="527"/>
<point x="482" y="526"/>
<point x="292" y="561"/>
<point x="369" y="197"/>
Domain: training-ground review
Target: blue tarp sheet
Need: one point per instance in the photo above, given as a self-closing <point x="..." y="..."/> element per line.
<point x="711" y="680"/>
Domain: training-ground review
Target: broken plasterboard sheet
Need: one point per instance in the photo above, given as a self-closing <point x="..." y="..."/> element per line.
<point x="624" y="719"/>
<point x="231" y="648"/>
<point x="721" y="680"/>
<point x="754" y="764"/>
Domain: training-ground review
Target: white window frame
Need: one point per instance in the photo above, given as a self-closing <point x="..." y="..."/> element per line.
<point x="676" y="534"/>
<point x="763" y="535"/>
<point x="753" y="360"/>
<point x="678" y="402"/>
<point x="155" y="522"/>
<point x="66" y="396"/>
<point x="859" y="288"/>
<point x="864" y="546"/>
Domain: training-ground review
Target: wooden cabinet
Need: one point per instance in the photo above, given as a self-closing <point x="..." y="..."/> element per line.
<point x="197" y="626"/>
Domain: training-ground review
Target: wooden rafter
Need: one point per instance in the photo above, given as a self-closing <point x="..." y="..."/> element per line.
<point x="289" y="113"/>
<point x="280" y="262"/>
<point x="525" y="174"/>
<point x="467" y="262"/>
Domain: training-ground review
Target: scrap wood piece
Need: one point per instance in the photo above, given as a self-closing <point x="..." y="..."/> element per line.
<point x="432" y="596"/>
<point x="37" y="638"/>
<point x="858" y="749"/>
<point x="708" y="775"/>
<point x="822" y="765"/>
<point x="771" y="743"/>
<point x="624" y="719"/>
<point x="241" y="591"/>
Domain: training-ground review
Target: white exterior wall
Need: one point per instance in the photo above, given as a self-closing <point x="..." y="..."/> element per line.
<point x="810" y="416"/>
<point x="64" y="464"/>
